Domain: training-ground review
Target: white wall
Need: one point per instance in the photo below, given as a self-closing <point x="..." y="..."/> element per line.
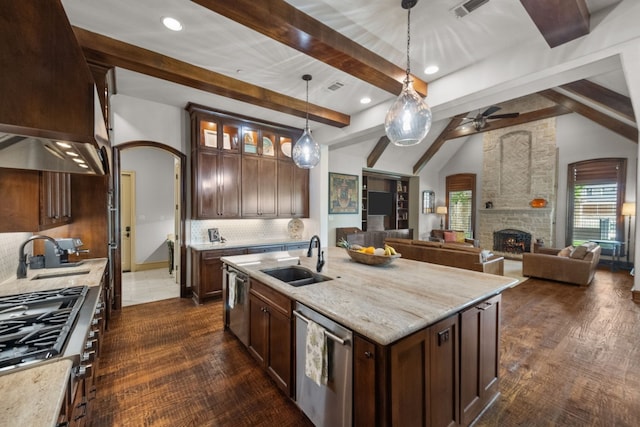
<point x="154" y="204"/>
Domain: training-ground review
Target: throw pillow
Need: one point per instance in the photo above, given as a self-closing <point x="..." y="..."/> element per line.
<point x="459" y="236"/>
<point x="449" y="236"/>
<point x="579" y="252"/>
<point x="565" y="252"/>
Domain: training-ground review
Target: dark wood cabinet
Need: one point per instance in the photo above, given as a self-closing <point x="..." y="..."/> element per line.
<point x="366" y="360"/>
<point x="424" y="376"/>
<point x="55" y="199"/>
<point x="217" y="180"/>
<point x="34" y="200"/>
<point x="259" y="187"/>
<point x="235" y="170"/>
<point x="293" y="190"/>
<point x="479" y="357"/>
<point x="270" y="337"/>
<point x="206" y="272"/>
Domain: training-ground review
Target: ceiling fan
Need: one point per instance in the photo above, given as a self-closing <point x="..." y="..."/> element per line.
<point x="480" y="120"/>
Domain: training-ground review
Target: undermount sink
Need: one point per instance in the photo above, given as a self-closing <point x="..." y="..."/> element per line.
<point x="61" y="274"/>
<point x="295" y="275"/>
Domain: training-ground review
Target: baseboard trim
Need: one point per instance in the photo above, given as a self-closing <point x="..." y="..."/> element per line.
<point x="152" y="265"/>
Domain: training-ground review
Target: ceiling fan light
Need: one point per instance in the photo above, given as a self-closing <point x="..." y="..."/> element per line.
<point x="409" y="119"/>
<point x="306" y="151"/>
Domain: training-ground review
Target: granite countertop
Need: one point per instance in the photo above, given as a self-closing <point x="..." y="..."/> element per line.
<point x="90" y="273"/>
<point x="32" y="396"/>
<point x="207" y="246"/>
<point x="382" y="303"/>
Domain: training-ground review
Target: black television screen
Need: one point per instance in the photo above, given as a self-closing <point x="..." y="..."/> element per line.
<point x="380" y="203"/>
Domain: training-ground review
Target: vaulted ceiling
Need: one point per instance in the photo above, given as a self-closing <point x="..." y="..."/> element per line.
<point x="249" y="56"/>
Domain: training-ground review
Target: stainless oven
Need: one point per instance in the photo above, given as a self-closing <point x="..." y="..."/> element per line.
<point x="236" y="292"/>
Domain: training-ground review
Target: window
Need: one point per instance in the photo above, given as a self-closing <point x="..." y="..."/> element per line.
<point x="595" y="193"/>
<point x="461" y="203"/>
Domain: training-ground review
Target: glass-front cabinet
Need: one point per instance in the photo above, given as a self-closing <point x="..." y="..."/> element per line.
<point x="242" y="168"/>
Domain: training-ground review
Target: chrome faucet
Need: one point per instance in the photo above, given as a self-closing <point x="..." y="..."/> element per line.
<point x="320" y="262"/>
<point x="22" y="257"/>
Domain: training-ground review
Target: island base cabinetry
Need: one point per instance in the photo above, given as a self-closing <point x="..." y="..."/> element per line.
<point x="442" y="376"/>
<point x="270" y="336"/>
<point x="206" y="273"/>
<point x="480" y="357"/>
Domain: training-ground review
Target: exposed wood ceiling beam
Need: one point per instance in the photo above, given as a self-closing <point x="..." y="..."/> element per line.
<point x="108" y="51"/>
<point x="282" y="22"/>
<point x="377" y="151"/>
<point x="604" y="97"/>
<point x="438" y="143"/>
<point x="604" y="120"/>
<point x="559" y="21"/>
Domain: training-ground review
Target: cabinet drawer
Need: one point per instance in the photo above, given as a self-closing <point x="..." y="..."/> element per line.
<point x="277" y="300"/>
<point x="262" y="249"/>
<point x="218" y="253"/>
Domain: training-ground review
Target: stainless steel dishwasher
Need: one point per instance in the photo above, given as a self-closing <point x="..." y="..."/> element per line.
<point x="330" y="404"/>
<point x="238" y="309"/>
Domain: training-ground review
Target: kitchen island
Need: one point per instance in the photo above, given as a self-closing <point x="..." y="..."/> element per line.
<point x="417" y="329"/>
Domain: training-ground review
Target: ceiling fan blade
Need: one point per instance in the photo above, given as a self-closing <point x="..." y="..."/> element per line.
<point x="489" y="111"/>
<point x="504" y="116"/>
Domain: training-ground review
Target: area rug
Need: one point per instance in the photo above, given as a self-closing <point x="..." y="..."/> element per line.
<point x="513" y="268"/>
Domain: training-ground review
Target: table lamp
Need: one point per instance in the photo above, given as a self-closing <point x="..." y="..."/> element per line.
<point x="442" y="211"/>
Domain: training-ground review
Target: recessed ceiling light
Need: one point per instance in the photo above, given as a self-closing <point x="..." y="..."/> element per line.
<point x="63" y="144"/>
<point x="365" y="100"/>
<point x="431" y="69"/>
<point x="77" y="160"/>
<point x="72" y="153"/>
<point x="172" y="23"/>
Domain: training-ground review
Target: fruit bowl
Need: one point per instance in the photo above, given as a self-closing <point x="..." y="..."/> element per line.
<point x="369" y="259"/>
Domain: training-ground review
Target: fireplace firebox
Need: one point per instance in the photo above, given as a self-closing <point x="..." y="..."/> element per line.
<point x="511" y="241"/>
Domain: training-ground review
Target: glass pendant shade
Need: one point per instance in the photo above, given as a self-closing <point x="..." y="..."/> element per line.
<point x="306" y="151"/>
<point x="409" y="119"/>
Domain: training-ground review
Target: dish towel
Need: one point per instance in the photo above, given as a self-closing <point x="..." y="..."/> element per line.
<point x="316" y="365"/>
<point x="232" y="290"/>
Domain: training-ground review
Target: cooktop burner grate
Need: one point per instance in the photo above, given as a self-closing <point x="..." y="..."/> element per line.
<point x="35" y="326"/>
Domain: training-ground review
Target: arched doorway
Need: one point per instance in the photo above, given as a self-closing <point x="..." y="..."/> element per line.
<point x="180" y="250"/>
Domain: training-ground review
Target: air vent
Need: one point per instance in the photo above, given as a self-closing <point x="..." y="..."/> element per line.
<point x="335" y="86"/>
<point x="467" y="7"/>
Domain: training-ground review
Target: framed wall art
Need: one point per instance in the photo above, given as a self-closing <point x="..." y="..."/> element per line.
<point x="344" y="193"/>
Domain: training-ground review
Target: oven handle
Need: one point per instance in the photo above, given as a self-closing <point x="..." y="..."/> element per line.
<point x="327" y="333"/>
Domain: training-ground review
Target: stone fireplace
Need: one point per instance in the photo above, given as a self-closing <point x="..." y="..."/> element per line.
<point x="519" y="165"/>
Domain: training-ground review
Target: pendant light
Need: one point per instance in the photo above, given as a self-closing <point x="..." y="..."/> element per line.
<point x="306" y="151"/>
<point x="409" y="119"/>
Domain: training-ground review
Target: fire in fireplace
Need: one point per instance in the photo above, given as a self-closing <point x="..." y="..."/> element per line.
<point x="511" y="241"/>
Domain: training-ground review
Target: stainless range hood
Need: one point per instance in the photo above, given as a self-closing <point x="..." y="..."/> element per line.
<point x="50" y="113"/>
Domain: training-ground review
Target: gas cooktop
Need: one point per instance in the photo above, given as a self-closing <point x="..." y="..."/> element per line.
<point x="34" y="326"/>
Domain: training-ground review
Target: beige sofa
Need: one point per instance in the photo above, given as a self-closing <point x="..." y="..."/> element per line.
<point x="574" y="268"/>
<point x="449" y="254"/>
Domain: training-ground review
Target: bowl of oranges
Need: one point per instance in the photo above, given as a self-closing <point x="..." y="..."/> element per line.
<point x="371" y="255"/>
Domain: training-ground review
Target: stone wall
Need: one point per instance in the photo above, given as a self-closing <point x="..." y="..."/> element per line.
<point x="519" y="165"/>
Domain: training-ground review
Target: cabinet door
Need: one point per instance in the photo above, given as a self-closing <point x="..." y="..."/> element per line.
<point x="259" y="189"/>
<point x="443" y="373"/>
<point x="210" y="284"/>
<point x="20" y="208"/>
<point x="293" y="190"/>
<point x="206" y="186"/>
<point x="479" y="357"/>
<point x="230" y="171"/>
<point x="257" y="329"/>
<point x="364" y="383"/>
<point x="279" y="347"/>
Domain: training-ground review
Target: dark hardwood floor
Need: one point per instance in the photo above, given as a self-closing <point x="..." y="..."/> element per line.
<point x="570" y="357"/>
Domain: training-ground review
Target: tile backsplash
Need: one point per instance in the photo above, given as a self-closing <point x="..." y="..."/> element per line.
<point x="9" y="246"/>
<point x="243" y="229"/>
